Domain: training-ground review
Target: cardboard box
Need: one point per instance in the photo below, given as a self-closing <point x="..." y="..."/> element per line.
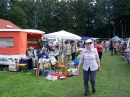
<point x="13" y="67"/>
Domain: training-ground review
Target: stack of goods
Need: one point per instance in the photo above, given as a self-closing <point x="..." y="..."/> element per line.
<point x="13" y="67"/>
<point x="57" y="75"/>
<point x="72" y="72"/>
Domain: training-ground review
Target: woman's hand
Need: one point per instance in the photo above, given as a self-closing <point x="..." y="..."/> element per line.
<point x="78" y="68"/>
<point x="77" y="71"/>
<point x="99" y="68"/>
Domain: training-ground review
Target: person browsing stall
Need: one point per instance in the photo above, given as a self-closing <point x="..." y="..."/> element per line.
<point x="91" y="63"/>
<point x="67" y="51"/>
<point x="74" y="49"/>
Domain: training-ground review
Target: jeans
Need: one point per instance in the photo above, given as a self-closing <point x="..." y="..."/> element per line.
<point x="100" y="55"/>
<point x="92" y="75"/>
<point x="106" y="49"/>
<point x="115" y="51"/>
<point x="73" y="55"/>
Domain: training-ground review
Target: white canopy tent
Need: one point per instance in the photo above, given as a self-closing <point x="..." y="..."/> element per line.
<point x="62" y="35"/>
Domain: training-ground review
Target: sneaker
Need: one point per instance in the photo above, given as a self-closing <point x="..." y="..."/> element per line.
<point x="86" y="94"/>
<point x="93" y="91"/>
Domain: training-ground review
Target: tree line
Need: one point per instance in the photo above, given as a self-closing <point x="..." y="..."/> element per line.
<point x="95" y="18"/>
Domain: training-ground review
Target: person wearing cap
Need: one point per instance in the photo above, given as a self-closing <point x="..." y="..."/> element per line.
<point x="90" y="63"/>
<point x="30" y="54"/>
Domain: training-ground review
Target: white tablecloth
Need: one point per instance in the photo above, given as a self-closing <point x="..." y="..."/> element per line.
<point x="51" y="59"/>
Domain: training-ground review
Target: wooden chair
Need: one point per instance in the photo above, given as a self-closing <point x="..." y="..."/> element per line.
<point x="38" y="69"/>
<point x="46" y="66"/>
<point x="60" y="65"/>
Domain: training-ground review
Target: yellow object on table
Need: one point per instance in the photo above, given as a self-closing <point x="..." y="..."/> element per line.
<point x="22" y="65"/>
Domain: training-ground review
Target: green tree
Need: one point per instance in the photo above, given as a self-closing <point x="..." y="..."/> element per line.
<point x="3" y="10"/>
<point x="18" y="16"/>
<point x="121" y="16"/>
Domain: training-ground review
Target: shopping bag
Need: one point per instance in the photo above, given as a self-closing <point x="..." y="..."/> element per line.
<point x="76" y="61"/>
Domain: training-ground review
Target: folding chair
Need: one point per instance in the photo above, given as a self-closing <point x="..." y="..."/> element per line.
<point x="46" y="66"/>
<point x="60" y="65"/>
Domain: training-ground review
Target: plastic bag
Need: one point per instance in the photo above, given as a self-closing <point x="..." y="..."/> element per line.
<point x="50" y="77"/>
<point x="76" y="61"/>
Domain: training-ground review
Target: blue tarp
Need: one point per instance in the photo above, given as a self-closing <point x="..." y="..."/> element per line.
<point x="84" y="37"/>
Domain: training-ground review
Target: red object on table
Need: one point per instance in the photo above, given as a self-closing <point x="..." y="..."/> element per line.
<point x="59" y="74"/>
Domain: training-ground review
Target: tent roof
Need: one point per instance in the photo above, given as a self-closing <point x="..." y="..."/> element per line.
<point x="5" y="24"/>
<point x="84" y="37"/>
<point x="10" y="30"/>
<point x="62" y="34"/>
<point x="115" y="38"/>
<point x="32" y="31"/>
<point x="22" y="30"/>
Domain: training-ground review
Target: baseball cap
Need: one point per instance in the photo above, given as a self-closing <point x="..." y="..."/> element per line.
<point x="88" y="40"/>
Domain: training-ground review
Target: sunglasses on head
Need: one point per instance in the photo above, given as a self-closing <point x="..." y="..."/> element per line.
<point x="89" y="43"/>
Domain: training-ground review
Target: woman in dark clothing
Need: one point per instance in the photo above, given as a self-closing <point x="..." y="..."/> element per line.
<point x="111" y="47"/>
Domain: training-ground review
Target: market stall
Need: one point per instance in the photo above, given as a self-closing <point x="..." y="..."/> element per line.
<point x="14" y="41"/>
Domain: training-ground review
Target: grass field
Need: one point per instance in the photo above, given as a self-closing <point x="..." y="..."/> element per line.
<point x="112" y="81"/>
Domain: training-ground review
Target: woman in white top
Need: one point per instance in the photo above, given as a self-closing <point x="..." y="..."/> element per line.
<point x="91" y="63"/>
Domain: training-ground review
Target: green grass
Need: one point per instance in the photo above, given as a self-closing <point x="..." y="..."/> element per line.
<point x="112" y="81"/>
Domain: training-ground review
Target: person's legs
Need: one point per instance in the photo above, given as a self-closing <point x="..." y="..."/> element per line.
<point x="112" y="51"/>
<point x="65" y="60"/>
<point x="92" y="80"/>
<point x="115" y="51"/>
<point x="86" y="78"/>
<point x="34" y="62"/>
<point x="69" y="58"/>
<point x="73" y="56"/>
<point x="100" y="55"/>
<point x="105" y="49"/>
